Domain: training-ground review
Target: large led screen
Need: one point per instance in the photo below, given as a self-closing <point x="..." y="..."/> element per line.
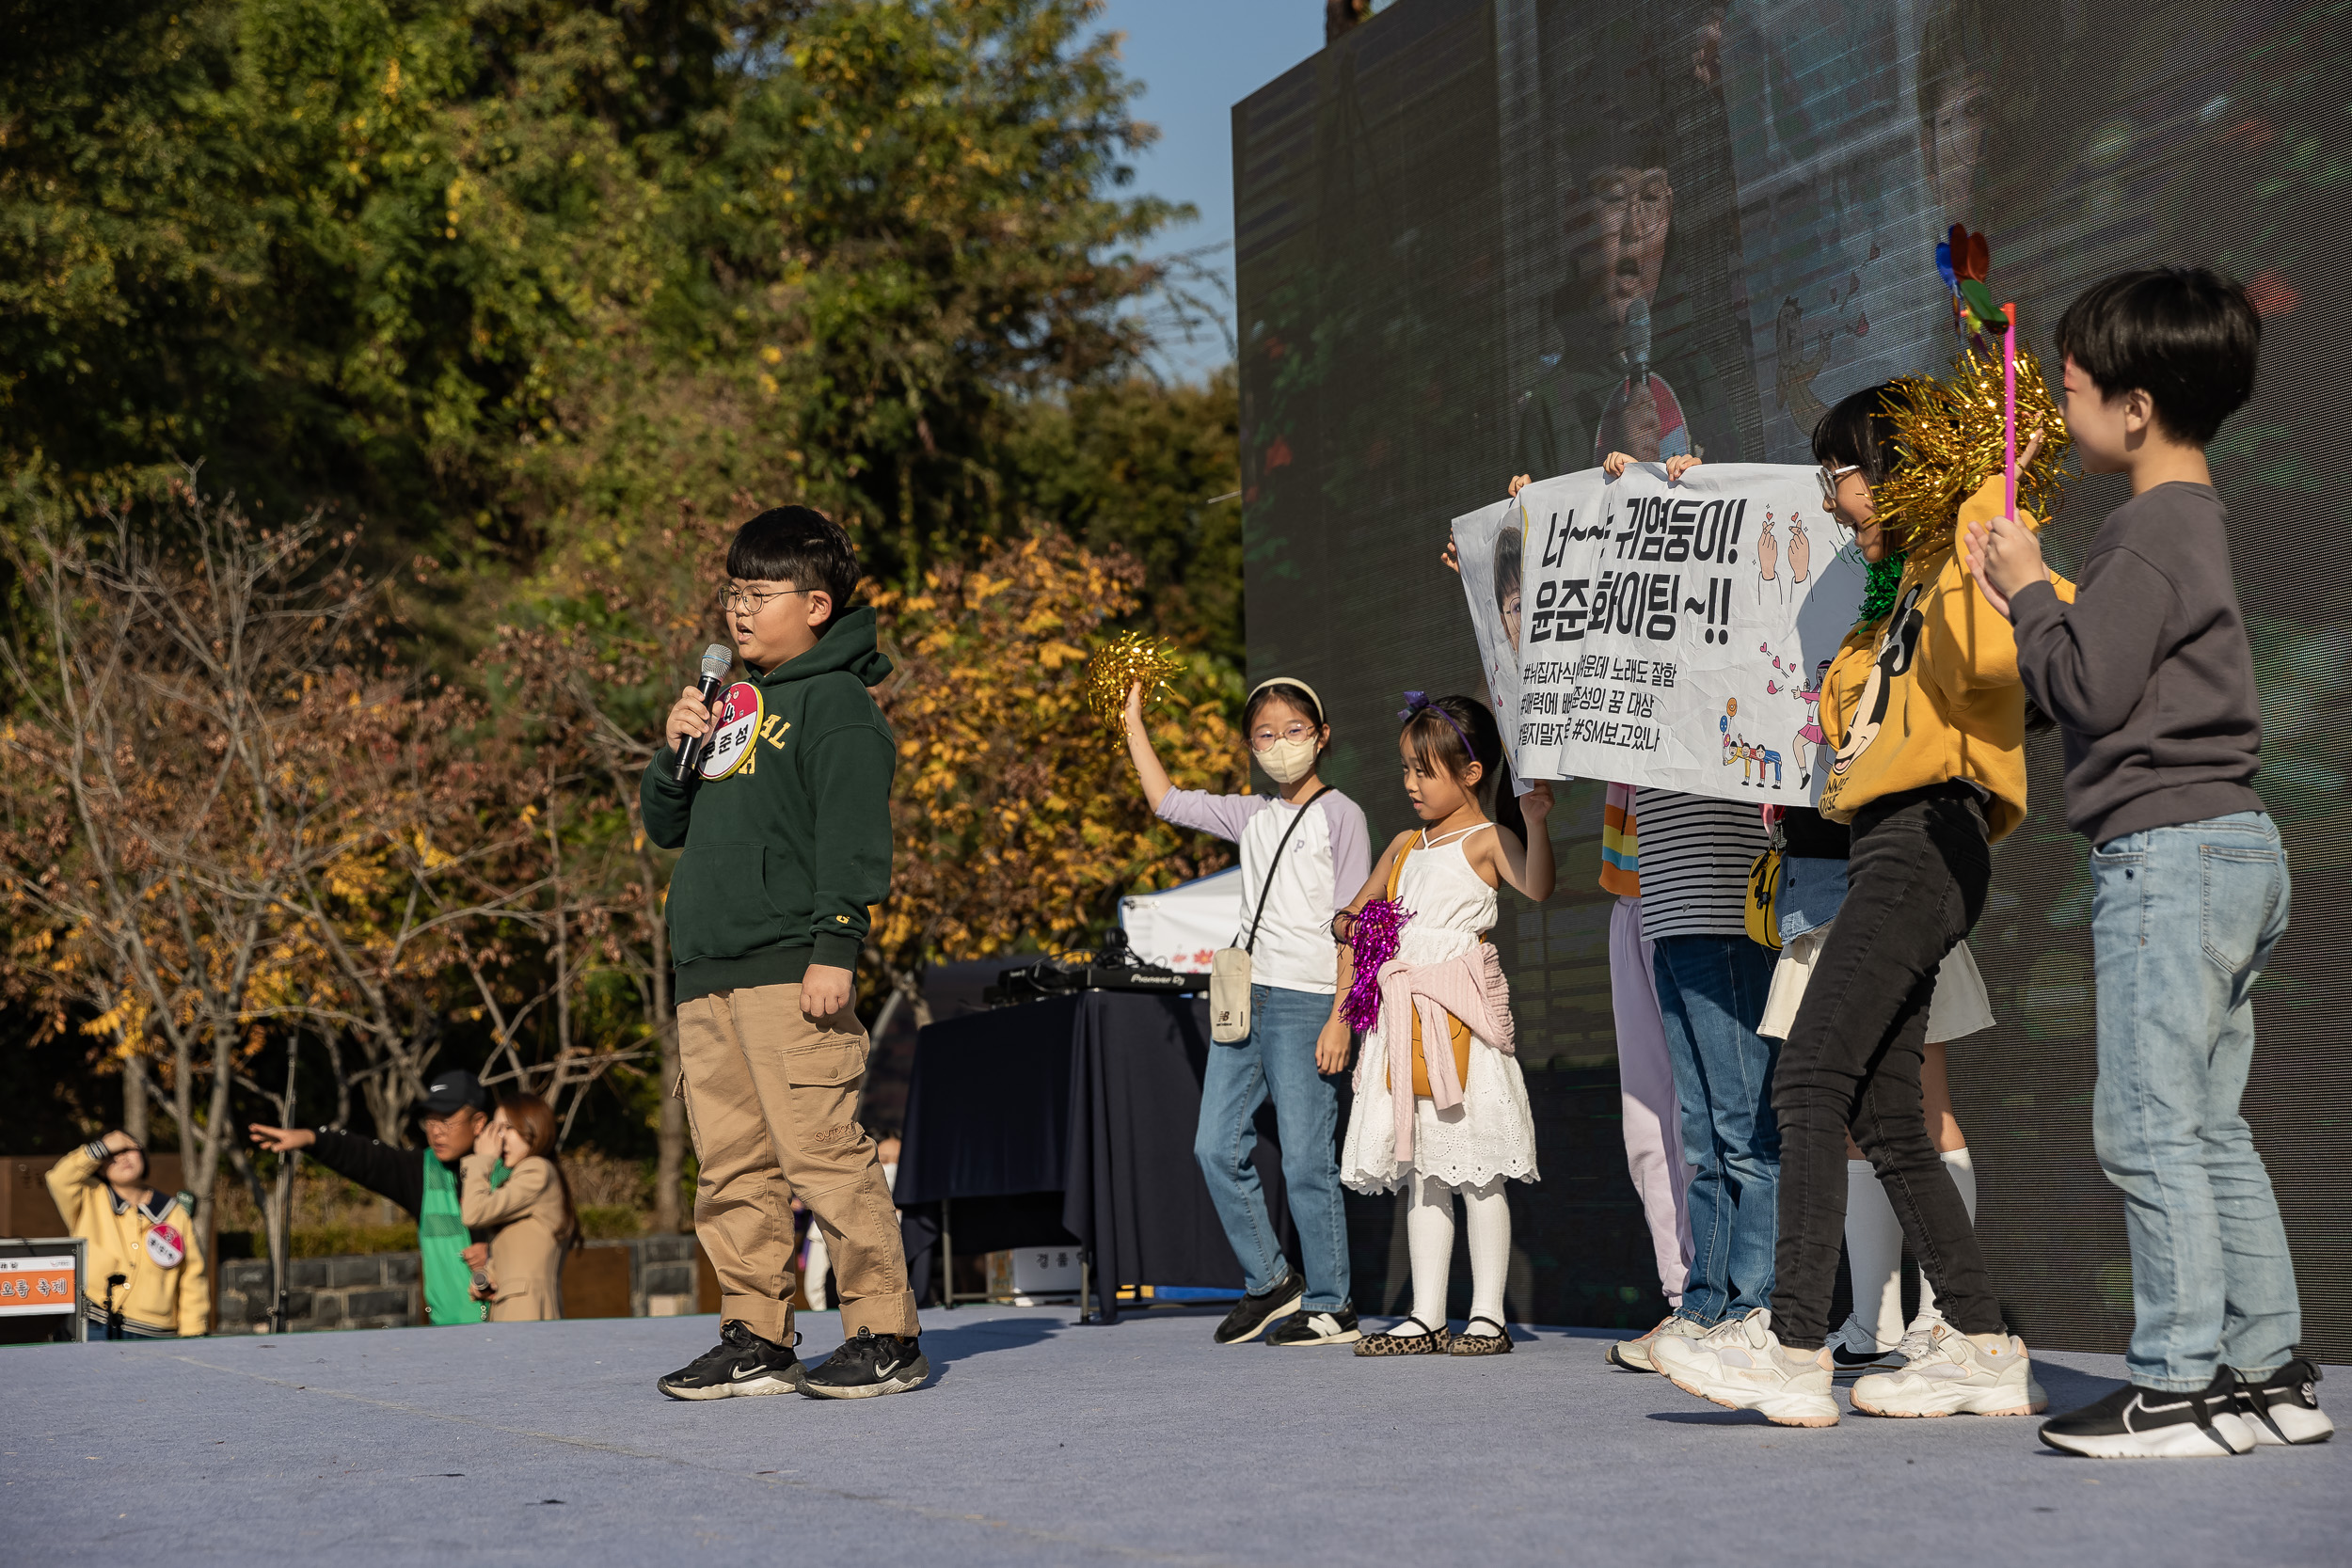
<point x="1484" y="237"/>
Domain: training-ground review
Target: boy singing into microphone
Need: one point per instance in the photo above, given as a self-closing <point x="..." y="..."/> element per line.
<point x="784" y="816"/>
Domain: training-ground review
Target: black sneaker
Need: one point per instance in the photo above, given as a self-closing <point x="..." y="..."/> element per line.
<point x="2284" y="1406"/>
<point x="1252" y="1313"/>
<point x="740" y="1363"/>
<point x="2152" y="1423"/>
<point x="1855" y="1349"/>
<point x="1317" y="1325"/>
<point x="868" y="1365"/>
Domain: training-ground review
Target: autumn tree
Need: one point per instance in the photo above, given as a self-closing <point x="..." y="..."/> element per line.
<point x="1153" y="472"/>
<point x="544" y="298"/>
<point x="227" y="813"/>
<point x="579" y="685"/>
<point x="1017" y="819"/>
<point x="519" y="277"/>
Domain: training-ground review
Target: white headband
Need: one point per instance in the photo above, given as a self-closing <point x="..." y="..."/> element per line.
<point x="1286" y="680"/>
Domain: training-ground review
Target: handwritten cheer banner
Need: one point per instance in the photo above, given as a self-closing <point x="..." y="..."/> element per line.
<point x="1664" y="635"/>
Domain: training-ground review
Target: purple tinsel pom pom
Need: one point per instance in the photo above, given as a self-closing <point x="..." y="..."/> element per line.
<point x="1378" y="925"/>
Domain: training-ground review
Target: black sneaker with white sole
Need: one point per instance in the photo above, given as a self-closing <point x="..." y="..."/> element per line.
<point x="1252" y="1314"/>
<point x="740" y="1363"/>
<point x="2154" y="1423"/>
<point x="2284" y="1407"/>
<point x="868" y="1365"/>
<point x="1317" y="1325"/>
<point x="1855" y="1349"/>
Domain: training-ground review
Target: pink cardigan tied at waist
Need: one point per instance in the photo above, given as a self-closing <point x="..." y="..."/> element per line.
<point x="1469" y="986"/>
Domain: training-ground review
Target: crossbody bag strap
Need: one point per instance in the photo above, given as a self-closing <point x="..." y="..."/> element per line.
<point x="1267" y="892"/>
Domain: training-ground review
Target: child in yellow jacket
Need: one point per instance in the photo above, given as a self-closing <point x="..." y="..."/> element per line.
<point x="1924" y="708"/>
<point x="145" y="1237"/>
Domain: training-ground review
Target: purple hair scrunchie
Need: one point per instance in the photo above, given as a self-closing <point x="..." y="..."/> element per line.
<point x="1418" y="702"/>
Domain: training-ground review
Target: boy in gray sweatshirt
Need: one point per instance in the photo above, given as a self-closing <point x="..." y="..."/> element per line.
<point x="2149" y="673"/>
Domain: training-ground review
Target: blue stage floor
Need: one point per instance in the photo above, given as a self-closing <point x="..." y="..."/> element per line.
<point x="1041" y="1442"/>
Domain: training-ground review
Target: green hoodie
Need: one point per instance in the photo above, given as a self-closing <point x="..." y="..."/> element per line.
<point x="785" y="854"/>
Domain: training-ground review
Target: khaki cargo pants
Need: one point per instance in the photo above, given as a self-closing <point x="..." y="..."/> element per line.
<point x="771" y="1098"/>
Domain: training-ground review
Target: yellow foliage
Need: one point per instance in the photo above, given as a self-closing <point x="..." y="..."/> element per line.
<point x="1017" y="820"/>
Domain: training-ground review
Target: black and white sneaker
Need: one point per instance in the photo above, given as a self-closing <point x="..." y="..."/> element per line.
<point x="868" y="1365"/>
<point x="1252" y="1315"/>
<point x="2284" y="1406"/>
<point x="2152" y="1423"/>
<point x="740" y="1363"/>
<point x="1318" y="1325"/>
<point x="1855" y="1349"/>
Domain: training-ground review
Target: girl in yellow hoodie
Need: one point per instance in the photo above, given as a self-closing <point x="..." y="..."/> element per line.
<point x="1927" y="719"/>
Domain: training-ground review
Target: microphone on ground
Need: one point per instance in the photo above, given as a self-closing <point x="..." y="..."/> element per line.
<point x="717" y="661"/>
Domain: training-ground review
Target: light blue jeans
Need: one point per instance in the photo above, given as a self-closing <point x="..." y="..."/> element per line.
<point x="1277" y="1057"/>
<point x="2183" y="920"/>
<point x="1710" y="991"/>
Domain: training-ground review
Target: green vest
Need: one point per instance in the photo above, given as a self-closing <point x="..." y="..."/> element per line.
<point x="441" y="1242"/>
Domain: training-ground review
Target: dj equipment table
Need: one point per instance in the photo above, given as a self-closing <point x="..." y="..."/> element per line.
<point x="1071" y="1120"/>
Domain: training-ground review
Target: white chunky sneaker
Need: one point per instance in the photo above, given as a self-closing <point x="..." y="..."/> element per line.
<point x="1634" y="1354"/>
<point x="1957" y="1376"/>
<point x="1740" y="1366"/>
<point x="1856" y="1349"/>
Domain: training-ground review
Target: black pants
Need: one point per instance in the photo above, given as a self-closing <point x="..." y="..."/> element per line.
<point x="1915" y="887"/>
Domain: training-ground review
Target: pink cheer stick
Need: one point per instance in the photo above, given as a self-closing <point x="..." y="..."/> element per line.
<point x="2008" y="404"/>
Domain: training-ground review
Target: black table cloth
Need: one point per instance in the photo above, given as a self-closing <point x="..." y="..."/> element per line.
<point x="1071" y="1120"/>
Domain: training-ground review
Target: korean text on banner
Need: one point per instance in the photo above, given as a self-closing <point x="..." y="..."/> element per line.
<point x="1675" y="635"/>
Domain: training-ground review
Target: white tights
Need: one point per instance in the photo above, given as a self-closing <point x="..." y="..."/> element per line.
<point x="1874" y="1244"/>
<point x="1429" y="1236"/>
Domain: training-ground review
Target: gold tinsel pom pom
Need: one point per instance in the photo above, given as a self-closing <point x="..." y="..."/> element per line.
<point x="1949" y="434"/>
<point x="1126" y="659"/>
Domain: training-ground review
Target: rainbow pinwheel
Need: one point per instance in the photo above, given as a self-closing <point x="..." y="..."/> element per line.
<point x="1964" y="260"/>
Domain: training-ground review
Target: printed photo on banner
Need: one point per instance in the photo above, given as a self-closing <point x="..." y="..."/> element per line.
<point x="1675" y="635"/>
<point x="1490" y="545"/>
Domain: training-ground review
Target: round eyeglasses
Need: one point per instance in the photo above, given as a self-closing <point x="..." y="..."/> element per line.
<point x="735" y="596"/>
<point x="1262" y="739"/>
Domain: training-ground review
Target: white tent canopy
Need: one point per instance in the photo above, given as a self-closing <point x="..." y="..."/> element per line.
<point x="1179" y="927"/>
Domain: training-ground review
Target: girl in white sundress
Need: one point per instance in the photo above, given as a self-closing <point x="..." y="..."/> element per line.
<point x="1453" y="1119"/>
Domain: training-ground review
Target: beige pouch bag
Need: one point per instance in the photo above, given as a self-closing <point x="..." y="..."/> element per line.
<point x="1228" y="967"/>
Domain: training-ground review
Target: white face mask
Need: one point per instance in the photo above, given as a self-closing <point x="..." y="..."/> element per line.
<point x="1286" y="762"/>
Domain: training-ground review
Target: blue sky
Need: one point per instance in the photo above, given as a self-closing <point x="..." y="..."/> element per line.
<point x="1196" y="60"/>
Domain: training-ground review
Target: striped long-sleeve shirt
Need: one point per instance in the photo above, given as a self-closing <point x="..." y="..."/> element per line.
<point x="1696" y="854"/>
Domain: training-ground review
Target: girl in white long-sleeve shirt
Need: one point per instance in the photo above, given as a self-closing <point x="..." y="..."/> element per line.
<point x="1302" y="848"/>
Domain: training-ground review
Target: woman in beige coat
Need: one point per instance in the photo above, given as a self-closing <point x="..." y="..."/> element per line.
<point x="515" y="1189"/>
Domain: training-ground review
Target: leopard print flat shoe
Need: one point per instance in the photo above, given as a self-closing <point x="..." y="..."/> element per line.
<point x="1497" y="1343"/>
<point x="1431" y="1343"/>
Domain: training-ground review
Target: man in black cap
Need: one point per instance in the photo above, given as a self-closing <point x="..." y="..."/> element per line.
<point x="424" y="1181"/>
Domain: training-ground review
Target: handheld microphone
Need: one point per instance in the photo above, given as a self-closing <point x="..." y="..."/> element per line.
<point x="717" y="661"/>
<point x="1637" y="338"/>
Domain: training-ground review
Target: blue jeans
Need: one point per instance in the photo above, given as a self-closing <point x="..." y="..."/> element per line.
<point x="1278" y="1057"/>
<point x="1811" y="892"/>
<point x="2182" y="921"/>
<point x="1711" y="991"/>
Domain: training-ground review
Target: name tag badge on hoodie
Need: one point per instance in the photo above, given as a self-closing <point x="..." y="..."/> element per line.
<point x="166" y="1247"/>
<point x="734" y="724"/>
